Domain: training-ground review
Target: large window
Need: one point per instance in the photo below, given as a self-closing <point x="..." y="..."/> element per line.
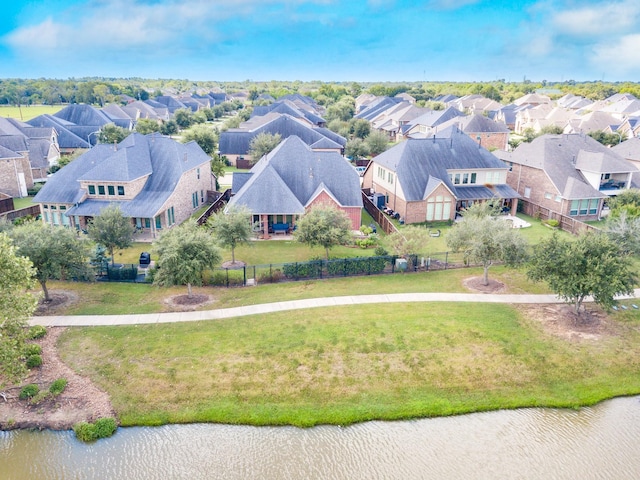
<point x="438" y="208"/>
<point x="171" y="218"/>
<point x="120" y="189"/>
<point x="585" y="206"/>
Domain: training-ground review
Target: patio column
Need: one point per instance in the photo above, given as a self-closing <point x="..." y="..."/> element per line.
<point x="265" y="226"/>
<point x="514" y="207"/>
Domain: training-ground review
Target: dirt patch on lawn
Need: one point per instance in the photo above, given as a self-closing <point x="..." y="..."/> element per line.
<point x="81" y="400"/>
<point x="475" y="284"/>
<point x="233" y="265"/>
<point x="59" y="300"/>
<point x="561" y="321"/>
<point x="185" y="302"/>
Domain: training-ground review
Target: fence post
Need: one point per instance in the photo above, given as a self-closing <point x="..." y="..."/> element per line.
<point x="446" y="260"/>
<point x="244" y="275"/>
<point x="227" y="270"/>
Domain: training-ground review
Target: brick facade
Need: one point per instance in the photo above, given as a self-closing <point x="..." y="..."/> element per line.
<point x="354" y="213"/>
<point x="491" y="140"/>
<point x="12" y="170"/>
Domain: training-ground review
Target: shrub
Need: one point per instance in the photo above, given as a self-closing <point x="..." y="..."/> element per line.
<point x="29" y="391"/>
<point x="32" y="349"/>
<point x="38" y="398"/>
<point x="273" y="276"/>
<point x="37" y="331"/>
<point x="90" y="432"/>
<point x="552" y="222"/>
<point x="34" y="361"/>
<point x="381" y="252"/>
<point x="58" y="386"/>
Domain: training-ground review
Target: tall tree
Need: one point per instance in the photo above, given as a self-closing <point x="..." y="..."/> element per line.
<point x="56" y="253"/>
<point x="575" y="269"/>
<point x="111" y="229"/>
<point x="263" y="144"/>
<point x="111" y="133"/>
<point x="231" y="228"/>
<point x="184" y="253"/>
<point x="183" y="117"/>
<point x="16" y="306"/>
<point x="324" y="226"/>
<point x="356" y="149"/>
<point x="203" y="136"/>
<point x="377" y="142"/>
<point x="484" y="239"/>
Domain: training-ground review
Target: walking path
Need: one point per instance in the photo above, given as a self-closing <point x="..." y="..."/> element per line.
<point x="260" y="309"/>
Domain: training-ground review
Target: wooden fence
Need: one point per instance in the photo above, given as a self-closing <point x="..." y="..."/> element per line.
<point x="567" y="223"/>
<point x="378" y="216"/>
<point x="34" y="211"/>
<point x="217" y="205"/>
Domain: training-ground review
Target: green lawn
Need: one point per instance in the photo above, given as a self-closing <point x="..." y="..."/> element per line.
<point x="351" y="364"/>
<point x="25" y="113"/>
<point x="24" y="202"/>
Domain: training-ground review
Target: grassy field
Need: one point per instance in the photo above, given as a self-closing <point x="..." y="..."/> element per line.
<point x="351" y="364"/>
<point x="25" y="113"/>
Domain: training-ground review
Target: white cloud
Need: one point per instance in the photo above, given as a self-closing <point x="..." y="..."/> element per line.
<point x="597" y="19"/>
<point x="621" y="56"/>
<point x="122" y="24"/>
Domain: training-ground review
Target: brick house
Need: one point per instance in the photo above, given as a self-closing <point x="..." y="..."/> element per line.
<point x="568" y="174"/>
<point x="431" y="179"/>
<point x="290" y="180"/>
<point x="490" y="134"/>
<point x="156" y="181"/>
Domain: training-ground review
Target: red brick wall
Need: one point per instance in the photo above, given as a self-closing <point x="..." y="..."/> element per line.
<point x="354" y="213"/>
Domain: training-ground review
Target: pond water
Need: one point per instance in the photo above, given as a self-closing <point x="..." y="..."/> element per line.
<point x="602" y="442"/>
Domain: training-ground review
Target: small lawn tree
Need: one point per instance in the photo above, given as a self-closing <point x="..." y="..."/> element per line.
<point x="325" y="226"/>
<point x="184" y="253"/>
<point x="262" y="144"/>
<point x="55" y="252"/>
<point x="590" y="265"/>
<point x="377" y="142"/>
<point x="111" y="229"/>
<point x="203" y="135"/>
<point x="485" y="239"/>
<point x="410" y="240"/>
<point x="16" y="306"/>
<point x="232" y="228"/>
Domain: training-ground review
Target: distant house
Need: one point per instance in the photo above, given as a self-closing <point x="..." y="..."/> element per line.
<point x="490" y="134"/>
<point x="570" y="175"/>
<point x="290" y="108"/>
<point x="235" y="142"/>
<point x="28" y="152"/>
<point x="431" y="179"/>
<point x="290" y="180"/>
<point x="428" y="124"/>
<point x="156" y="181"/>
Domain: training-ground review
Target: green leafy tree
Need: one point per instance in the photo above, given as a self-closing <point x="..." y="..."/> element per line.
<point x="263" y="144"/>
<point x="377" y="142"/>
<point x="484" y="239"/>
<point x="231" y="228"/>
<point x="324" y="226"/>
<point x="591" y="265"/>
<point x="111" y="229"/>
<point x="184" y="253"/>
<point x="203" y="136"/>
<point x="16" y="307"/>
<point x="410" y="240"/>
<point x="607" y="139"/>
<point x="360" y="128"/>
<point x="624" y="231"/>
<point x="183" y="117"/>
<point x="217" y="168"/>
<point x="111" y="133"/>
<point x="56" y="253"/>
<point x="170" y="127"/>
<point x="145" y="126"/>
<point x="356" y="149"/>
<point x="627" y="201"/>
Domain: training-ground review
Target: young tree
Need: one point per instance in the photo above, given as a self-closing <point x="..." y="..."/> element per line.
<point x="232" y="228"/>
<point x="262" y="144"/>
<point x="325" y="226"/>
<point x="377" y="142"/>
<point x="624" y="231"/>
<point x="574" y="269"/>
<point x="184" y="253"/>
<point x="16" y="306"/>
<point x="485" y="239"/>
<point x="410" y="240"/>
<point x="356" y="149"/>
<point x="111" y="133"/>
<point x="111" y="229"/>
<point x="203" y="136"/>
<point x="145" y="126"/>
<point x="170" y="127"/>
<point x="56" y="253"/>
<point x="183" y="117"/>
<point x="360" y="128"/>
<point x="627" y="201"/>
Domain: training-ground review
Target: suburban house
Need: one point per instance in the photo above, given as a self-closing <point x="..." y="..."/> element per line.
<point x="429" y="123"/>
<point x="156" y="181"/>
<point x="570" y="175"/>
<point x="27" y="153"/>
<point x="490" y="134"/>
<point x="431" y="179"/>
<point x="290" y="180"/>
<point x="235" y="142"/>
<point x="630" y="151"/>
<point x="288" y="107"/>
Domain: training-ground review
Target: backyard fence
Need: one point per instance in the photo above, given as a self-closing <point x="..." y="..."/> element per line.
<point x="566" y="223"/>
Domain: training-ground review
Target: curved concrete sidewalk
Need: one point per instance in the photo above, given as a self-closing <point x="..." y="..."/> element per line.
<point x="97" y="320"/>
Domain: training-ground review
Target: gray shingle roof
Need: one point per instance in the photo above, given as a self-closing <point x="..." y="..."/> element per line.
<point x="167" y="158"/>
<point x="66" y="137"/>
<point x="418" y="163"/>
<point x="293" y="172"/>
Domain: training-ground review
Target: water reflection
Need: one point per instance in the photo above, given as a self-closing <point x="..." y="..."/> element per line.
<point x="601" y="442"/>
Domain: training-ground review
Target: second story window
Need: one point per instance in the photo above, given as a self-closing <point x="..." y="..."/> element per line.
<point x="92" y="189"/>
<point x="111" y="189"/>
<point x="120" y="189"/>
<point x="101" y="190"/>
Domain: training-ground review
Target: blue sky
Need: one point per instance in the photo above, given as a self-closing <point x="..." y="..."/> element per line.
<point x="368" y="40"/>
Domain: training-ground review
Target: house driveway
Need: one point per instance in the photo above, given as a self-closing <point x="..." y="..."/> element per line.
<point x="260" y="309"/>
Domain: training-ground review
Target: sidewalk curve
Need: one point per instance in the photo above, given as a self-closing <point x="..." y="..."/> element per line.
<point x="264" y="308"/>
